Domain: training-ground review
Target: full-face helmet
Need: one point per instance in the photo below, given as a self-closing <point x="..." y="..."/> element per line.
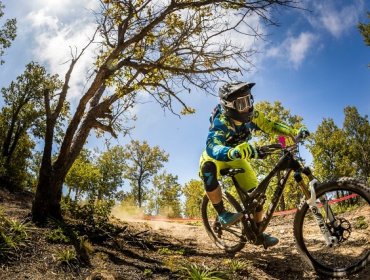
<point x="237" y="100"/>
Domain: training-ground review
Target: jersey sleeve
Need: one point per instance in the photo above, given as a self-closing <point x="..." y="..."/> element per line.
<point x="216" y="141"/>
<point x="272" y="127"/>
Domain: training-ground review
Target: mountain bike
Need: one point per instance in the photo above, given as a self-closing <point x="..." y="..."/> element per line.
<point x="331" y="224"/>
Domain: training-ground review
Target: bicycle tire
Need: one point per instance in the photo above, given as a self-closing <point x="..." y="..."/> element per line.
<point x="209" y="223"/>
<point x="354" y="226"/>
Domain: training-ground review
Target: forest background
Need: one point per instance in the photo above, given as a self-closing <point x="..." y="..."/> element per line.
<point x="142" y="154"/>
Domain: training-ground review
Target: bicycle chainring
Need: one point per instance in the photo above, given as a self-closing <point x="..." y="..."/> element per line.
<point x="341" y="228"/>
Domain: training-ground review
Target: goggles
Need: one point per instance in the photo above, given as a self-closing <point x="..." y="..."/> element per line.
<point x="241" y="104"/>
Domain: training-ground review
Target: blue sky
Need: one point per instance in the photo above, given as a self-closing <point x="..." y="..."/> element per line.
<point x="314" y="62"/>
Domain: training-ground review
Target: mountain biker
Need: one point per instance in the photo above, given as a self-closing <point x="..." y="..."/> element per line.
<point x="232" y="124"/>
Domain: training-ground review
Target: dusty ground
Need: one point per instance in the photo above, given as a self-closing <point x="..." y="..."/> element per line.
<point x="156" y="250"/>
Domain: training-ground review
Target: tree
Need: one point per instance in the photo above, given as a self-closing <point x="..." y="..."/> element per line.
<point x="357" y="133"/>
<point x="99" y="176"/>
<point x="22" y="117"/>
<point x="149" y="47"/>
<point x="8" y="33"/>
<point x="83" y="176"/>
<point x="164" y="197"/>
<point x="365" y="31"/>
<point x="276" y="112"/>
<point x="111" y="165"/>
<point x="330" y="151"/>
<point x="142" y="163"/>
<point x="193" y="192"/>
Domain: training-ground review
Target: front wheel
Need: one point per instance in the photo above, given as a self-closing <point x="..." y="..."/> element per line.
<point x="345" y="207"/>
<point x="231" y="238"/>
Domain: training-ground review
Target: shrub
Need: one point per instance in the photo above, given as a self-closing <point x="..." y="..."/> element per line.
<point x="66" y="257"/>
<point x="57" y="236"/>
<point x="13" y="237"/>
<point x="200" y="272"/>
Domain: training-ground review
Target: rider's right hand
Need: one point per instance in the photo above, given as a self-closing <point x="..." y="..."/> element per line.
<point x="243" y="151"/>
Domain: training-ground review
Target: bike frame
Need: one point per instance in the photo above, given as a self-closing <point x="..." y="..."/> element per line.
<point x="256" y="198"/>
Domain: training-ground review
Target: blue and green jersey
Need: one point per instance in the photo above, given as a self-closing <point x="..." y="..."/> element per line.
<point x="224" y="134"/>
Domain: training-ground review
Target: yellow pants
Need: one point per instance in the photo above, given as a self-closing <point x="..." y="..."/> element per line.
<point x="246" y="180"/>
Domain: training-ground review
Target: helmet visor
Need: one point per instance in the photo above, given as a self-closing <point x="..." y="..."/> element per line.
<point x="241" y="104"/>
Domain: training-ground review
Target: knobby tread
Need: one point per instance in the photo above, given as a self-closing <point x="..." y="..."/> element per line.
<point x="347" y="183"/>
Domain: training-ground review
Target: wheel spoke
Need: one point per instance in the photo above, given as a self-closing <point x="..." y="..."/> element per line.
<point x="228" y="238"/>
<point x="346" y="212"/>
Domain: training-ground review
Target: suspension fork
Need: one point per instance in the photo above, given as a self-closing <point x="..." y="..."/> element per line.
<point x="310" y="197"/>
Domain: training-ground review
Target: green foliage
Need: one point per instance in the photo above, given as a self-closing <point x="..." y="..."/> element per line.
<point x="276" y="112"/>
<point x="143" y="49"/>
<point x="13" y="237"/>
<point x="330" y="152"/>
<point x="357" y="131"/>
<point x="111" y="166"/>
<point x="164" y="197"/>
<point x="200" y="272"/>
<point x="168" y="251"/>
<point x="95" y="213"/>
<point x="361" y="223"/>
<point x="97" y="177"/>
<point x="148" y="272"/>
<point x="142" y="162"/>
<point x="83" y="177"/>
<point x="236" y="265"/>
<point x="342" y="151"/>
<point x="193" y="192"/>
<point x="21" y="119"/>
<point x="8" y="33"/>
<point x="365" y="30"/>
<point x="57" y="236"/>
<point x="66" y="257"/>
<point x="85" y="245"/>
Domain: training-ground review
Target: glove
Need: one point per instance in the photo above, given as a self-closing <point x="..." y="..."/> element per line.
<point x="243" y="151"/>
<point x="303" y="133"/>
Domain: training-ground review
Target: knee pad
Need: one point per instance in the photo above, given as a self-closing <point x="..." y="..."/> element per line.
<point x="209" y="175"/>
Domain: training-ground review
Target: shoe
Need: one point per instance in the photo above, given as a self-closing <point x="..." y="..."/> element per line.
<point x="227" y="218"/>
<point x="266" y="240"/>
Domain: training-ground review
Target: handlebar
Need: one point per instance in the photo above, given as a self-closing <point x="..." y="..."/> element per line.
<point x="271" y="148"/>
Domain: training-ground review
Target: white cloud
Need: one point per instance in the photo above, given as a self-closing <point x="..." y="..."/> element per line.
<point x="54" y="49"/>
<point x="294" y="49"/>
<point x="57" y="28"/>
<point x="299" y="47"/>
<point x="325" y="17"/>
<point x="64" y="8"/>
<point x="41" y="18"/>
<point x="336" y="20"/>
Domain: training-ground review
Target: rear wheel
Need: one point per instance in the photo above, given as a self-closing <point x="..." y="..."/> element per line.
<point x="349" y="201"/>
<point x="231" y="238"/>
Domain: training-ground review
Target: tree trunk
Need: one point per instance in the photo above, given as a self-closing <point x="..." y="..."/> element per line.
<point x="52" y="176"/>
<point x="48" y="196"/>
<point x="139" y="195"/>
<point x="282" y="203"/>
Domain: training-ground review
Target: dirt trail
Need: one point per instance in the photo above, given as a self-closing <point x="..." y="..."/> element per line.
<point x="280" y="262"/>
<point x="155" y="250"/>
